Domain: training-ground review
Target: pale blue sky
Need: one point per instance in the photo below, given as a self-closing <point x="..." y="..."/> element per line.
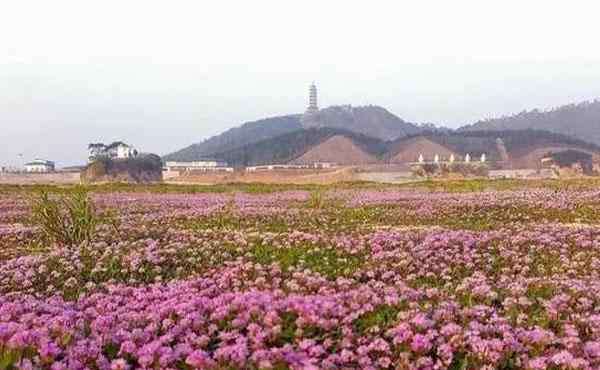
<point x="165" y="74"/>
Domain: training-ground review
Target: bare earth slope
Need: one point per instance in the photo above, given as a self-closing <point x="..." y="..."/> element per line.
<point x="409" y="150"/>
<point x="373" y="121"/>
<point x="338" y="149"/>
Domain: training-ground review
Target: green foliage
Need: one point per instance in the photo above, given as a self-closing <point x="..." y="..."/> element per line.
<point x="326" y="261"/>
<point x="246" y="134"/>
<point x="286" y="147"/>
<point x="69" y="219"/>
<point x="316" y="200"/>
<point x="8" y="358"/>
<point x="579" y="120"/>
<point x="288" y="328"/>
<point x="460" y="361"/>
<point x="141" y="169"/>
<point x="382" y="317"/>
<point x="567" y="158"/>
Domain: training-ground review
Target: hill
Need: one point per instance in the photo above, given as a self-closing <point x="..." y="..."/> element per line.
<point x="371" y="120"/>
<point x="248" y="133"/>
<point x="337" y="149"/>
<point x="408" y="149"/>
<point x="291" y="146"/>
<point x="516" y="148"/>
<point x="513" y="148"/>
<point x="581" y="121"/>
<point x="370" y="133"/>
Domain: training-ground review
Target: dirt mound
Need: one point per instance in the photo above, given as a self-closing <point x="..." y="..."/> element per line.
<point x="337" y="149"/>
<point x="531" y="158"/>
<point x="409" y="150"/>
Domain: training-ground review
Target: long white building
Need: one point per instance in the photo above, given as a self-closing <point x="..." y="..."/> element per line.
<point x="208" y="164"/>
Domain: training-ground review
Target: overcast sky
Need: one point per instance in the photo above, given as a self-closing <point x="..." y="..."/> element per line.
<point x="165" y="74"/>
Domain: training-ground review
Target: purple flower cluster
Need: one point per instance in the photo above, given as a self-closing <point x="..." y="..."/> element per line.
<point x="358" y="290"/>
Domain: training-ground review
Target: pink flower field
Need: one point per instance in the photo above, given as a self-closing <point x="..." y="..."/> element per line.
<point x="353" y="277"/>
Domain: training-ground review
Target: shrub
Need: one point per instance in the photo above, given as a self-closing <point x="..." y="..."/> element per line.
<point x="316" y="200"/>
<point x="69" y="219"/>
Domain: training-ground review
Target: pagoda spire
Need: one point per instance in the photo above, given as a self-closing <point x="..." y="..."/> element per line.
<point x="312" y="99"/>
<point x="310" y="118"/>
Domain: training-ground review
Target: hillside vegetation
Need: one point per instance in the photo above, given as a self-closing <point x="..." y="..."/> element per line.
<point x="146" y="168"/>
<point x="292" y="146"/>
<point x="287" y="147"/>
<point x="383" y="136"/>
<point x="577" y="120"/>
<point x="517" y="142"/>
<point x="372" y="121"/>
<point x="369" y="120"/>
<point x="248" y="133"/>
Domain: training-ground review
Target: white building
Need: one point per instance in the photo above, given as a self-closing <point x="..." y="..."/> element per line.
<point x="324" y="165"/>
<point x="40" y="166"/>
<point x="97" y="151"/>
<point x="201" y="165"/>
<point x="116" y="150"/>
<point x="273" y="167"/>
<point x="126" y="151"/>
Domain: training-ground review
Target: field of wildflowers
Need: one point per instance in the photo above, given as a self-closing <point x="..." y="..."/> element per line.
<point x="456" y="276"/>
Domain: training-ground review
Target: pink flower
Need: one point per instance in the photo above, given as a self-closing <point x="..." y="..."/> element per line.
<point x="347" y="356"/>
<point x="119" y="364"/>
<point x="384" y="362"/>
<point x="421" y="321"/>
<point x="592" y="349"/>
<point x="420" y="343"/>
<point x="562" y="358"/>
<point x="199" y="360"/>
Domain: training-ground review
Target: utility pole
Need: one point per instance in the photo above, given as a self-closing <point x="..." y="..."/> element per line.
<point x="21" y="164"/>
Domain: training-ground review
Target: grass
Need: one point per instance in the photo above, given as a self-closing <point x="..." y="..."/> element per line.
<point x="484" y="184"/>
<point x="469" y="185"/>
<point x="316" y="200"/>
<point x="326" y="261"/>
<point x="67" y="215"/>
<point x="382" y="317"/>
<point x="67" y="220"/>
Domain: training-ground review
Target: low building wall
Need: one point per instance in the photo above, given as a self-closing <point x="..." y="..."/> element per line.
<point x="514" y="174"/>
<point x="60" y="178"/>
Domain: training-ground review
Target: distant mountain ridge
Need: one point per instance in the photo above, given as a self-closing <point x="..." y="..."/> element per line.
<point x="369" y="120"/>
<point x="371" y="133"/>
<point x="327" y="144"/>
<point x="581" y="121"/>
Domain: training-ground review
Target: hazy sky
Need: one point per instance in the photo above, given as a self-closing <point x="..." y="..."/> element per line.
<point x="165" y="74"/>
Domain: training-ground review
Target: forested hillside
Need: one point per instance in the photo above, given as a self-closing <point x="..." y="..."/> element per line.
<point x="287" y="147"/>
<point x="248" y="133"/>
<point x="370" y="120"/>
<point x="577" y="120"/>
